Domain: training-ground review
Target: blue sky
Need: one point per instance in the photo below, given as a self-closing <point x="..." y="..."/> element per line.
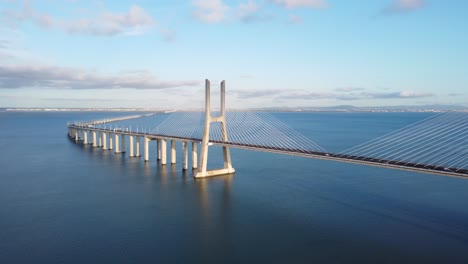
<point x="156" y="54"/>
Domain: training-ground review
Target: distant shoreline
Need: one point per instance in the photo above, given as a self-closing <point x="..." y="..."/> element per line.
<point x="317" y="109"/>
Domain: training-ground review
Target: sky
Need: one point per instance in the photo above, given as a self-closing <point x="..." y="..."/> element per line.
<point x="271" y="53"/>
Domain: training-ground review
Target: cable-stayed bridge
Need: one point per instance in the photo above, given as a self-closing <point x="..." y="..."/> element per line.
<point x="436" y="145"/>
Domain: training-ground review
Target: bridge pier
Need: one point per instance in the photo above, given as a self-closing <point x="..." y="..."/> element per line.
<point x="184" y="156"/>
<point x="138" y="154"/>
<point x="94" y="139"/>
<point x="111" y="141"/>
<point x="194" y="155"/>
<point x="104" y="140"/>
<point x="147" y="140"/>
<point x="77" y="136"/>
<point x="173" y="152"/>
<point x="130" y="138"/>
<point x="158" y="149"/>
<point x="100" y="139"/>
<point x="85" y="137"/>
<point x="117" y="147"/>
<point x="122" y="143"/>
<point x="163" y="152"/>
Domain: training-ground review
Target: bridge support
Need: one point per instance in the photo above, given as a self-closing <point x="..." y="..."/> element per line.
<point x="194" y="155"/>
<point x="173" y="152"/>
<point x="138" y="154"/>
<point x="158" y="149"/>
<point x="163" y="152"/>
<point x="94" y="139"/>
<point x="184" y="156"/>
<point x="202" y="169"/>
<point x="117" y="147"/>
<point x="147" y="140"/>
<point x="111" y="141"/>
<point x="100" y="139"/>
<point x="104" y="140"/>
<point x="130" y="138"/>
<point x="122" y="143"/>
<point x="85" y="137"/>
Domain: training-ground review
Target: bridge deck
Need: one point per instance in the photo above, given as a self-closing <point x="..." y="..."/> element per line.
<point x="392" y="164"/>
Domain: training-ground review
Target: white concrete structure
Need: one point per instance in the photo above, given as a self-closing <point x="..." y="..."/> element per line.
<point x="147" y="140"/>
<point x="104" y="140"/>
<point x="184" y="155"/>
<point x="202" y="169"/>
<point x="173" y="152"/>
<point x="111" y="141"/>
<point x="194" y="155"/>
<point x="131" y="154"/>
<point x="163" y="152"/>
<point x="138" y="153"/>
<point x="94" y="140"/>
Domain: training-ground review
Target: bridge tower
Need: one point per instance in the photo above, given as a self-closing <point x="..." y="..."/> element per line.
<point x="202" y="168"/>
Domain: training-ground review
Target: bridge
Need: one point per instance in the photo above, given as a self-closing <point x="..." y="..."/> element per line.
<point x="436" y="145"/>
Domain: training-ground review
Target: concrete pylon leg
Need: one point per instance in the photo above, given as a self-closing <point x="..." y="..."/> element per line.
<point x="85" y="137"/>
<point x="147" y="140"/>
<point x="117" y="147"/>
<point x="194" y="155"/>
<point x="138" y="154"/>
<point x="184" y="155"/>
<point x="173" y="151"/>
<point x="158" y="149"/>
<point x="111" y="141"/>
<point x="130" y="138"/>
<point x="94" y="139"/>
<point x="77" y="136"/>
<point x="163" y="152"/>
<point x="100" y="139"/>
<point x="104" y="140"/>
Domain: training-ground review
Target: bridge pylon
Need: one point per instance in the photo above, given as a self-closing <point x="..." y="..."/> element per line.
<point x="202" y="168"/>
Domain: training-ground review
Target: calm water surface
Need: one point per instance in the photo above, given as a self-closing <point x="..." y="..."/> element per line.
<point x="66" y="203"/>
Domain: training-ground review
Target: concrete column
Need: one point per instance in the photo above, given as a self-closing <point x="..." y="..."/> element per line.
<point x="146" y="149"/>
<point x="77" y="136"/>
<point x="111" y="141"/>
<point x="131" y="146"/>
<point x="184" y="155"/>
<point x="85" y="137"/>
<point x="138" y="147"/>
<point x="100" y="139"/>
<point x="117" y="147"/>
<point x="158" y="143"/>
<point x="94" y="139"/>
<point x="122" y="143"/>
<point x="104" y="140"/>
<point x="173" y="151"/>
<point x="163" y="152"/>
<point x="194" y="155"/>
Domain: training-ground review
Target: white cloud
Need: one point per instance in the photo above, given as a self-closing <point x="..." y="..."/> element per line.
<point x="302" y="3"/>
<point x="135" y="21"/>
<point x="402" y="6"/>
<point x="246" y="11"/>
<point x="27" y="76"/>
<point x="210" y="11"/>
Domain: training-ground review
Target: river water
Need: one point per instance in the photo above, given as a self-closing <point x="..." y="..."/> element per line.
<point x="66" y="203"/>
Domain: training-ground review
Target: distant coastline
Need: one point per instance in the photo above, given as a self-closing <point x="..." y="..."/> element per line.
<point x="342" y="108"/>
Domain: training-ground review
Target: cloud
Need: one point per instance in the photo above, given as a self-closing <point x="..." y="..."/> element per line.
<point x="302" y="3"/>
<point x="247" y="12"/>
<point x="13" y="77"/>
<point x="210" y="11"/>
<point x="352" y="96"/>
<point x="403" y="6"/>
<point x="135" y="21"/>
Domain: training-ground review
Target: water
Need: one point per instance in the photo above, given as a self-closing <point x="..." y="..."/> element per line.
<point x="66" y="203"/>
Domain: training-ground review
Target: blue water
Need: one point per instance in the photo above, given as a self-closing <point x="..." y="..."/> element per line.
<point x="66" y="203"/>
